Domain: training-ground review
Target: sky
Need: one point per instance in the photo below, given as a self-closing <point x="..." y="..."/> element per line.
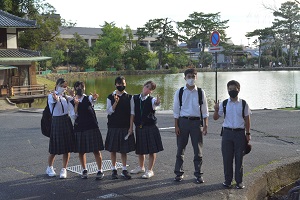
<point x="243" y="16"/>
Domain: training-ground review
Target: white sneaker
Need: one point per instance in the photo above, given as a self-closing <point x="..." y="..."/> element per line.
<point x="137" y="170"/>
<point x="63" y="173"/>
<point x="50" y="171"/>
<point x="148" y="174"/>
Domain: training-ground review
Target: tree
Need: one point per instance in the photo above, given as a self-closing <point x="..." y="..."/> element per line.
<point x="78" y="49"/>
<point x="56" y="50"/>
<point x="287" y="25"/>
<point x="177" y="58"/>
<point x="92" y="60"/>
<point x="109" y="46"/>
<point x="199" y="27"/>
<point x="136" y="57"/>
<point x="48" y="24"/>
<point x="166" y="36"/>
<point x="19" y="8"/>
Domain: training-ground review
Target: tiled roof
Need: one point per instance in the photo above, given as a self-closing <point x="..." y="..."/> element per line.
<point x="8" y="20"/>
<point x="82" y="31"/>
<point x="18" y="53"/>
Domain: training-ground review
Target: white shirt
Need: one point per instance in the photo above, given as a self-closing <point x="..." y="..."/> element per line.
<point x="58" y="111"/>
<point x="143" y="99"/>
<point x="190" y="104"/>
<point x="234" y="113"/>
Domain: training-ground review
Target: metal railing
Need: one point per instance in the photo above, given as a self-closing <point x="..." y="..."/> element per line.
<point x="28" y="90"/>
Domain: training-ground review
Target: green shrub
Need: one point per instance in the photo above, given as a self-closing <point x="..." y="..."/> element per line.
<point x="174" y="70"/>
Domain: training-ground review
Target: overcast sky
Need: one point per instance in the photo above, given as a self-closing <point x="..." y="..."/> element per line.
<point x="244" y="16"/>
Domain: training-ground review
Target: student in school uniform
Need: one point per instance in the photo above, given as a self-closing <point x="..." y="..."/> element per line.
<point x="88" y="137"/>
<point x="61" y="136"/>
<point x="117" y="139"/>
<point x="148" y="139"/>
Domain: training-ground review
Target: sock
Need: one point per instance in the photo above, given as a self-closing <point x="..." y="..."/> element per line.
<point x="124" y="168"/>
<point x="113" y="168"/>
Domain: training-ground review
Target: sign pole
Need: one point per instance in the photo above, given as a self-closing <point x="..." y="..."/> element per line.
<point x="216" y="76"/>
<point x="214" y="40"/>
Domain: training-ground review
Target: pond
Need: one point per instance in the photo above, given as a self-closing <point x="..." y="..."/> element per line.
<point x="261" y="89"/>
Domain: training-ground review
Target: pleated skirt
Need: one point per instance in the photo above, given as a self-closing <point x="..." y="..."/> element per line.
<point x="148" y="140"/>
<point x="115" y="141"/>
<point x="62" y="136"/>
<point x="88" y="141"/>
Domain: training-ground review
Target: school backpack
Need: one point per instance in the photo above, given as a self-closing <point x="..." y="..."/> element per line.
<point x="46" y="120"/>
<point x="200" y="101"/>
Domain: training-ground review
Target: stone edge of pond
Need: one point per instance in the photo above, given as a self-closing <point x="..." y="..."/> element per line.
<point x="268" y="180"/>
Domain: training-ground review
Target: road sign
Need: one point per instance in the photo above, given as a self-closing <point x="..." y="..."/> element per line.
<point x="215" y="38"/>
<point x="215" y="49"/>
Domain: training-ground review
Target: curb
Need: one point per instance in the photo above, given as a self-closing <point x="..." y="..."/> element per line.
<point x="270" y="180"/>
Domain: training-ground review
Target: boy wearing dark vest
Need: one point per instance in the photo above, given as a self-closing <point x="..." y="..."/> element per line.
<point x="189" y="108"/>
<point x="235" y="133"/>
<point x="119" y="138"/>
<point x="148" y="139"/>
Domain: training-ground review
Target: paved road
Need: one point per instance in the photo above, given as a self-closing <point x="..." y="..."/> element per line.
<point x="24" y="151"/>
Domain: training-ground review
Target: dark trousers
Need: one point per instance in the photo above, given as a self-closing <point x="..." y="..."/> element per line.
<point x="189" y="128"/>
<point x="233" y="146"/>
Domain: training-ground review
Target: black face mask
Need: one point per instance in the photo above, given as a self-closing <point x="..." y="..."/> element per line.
<point x="79" y="92"/>
<point x="233" y="93"/>
<point x="120" y="88"/>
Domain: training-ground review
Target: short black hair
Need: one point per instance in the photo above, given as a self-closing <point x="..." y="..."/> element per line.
<point x="190" y="71"/>
<point x="78" y="83"/>
<point x="234" y="82"/>
<point x="119" y="80"/>
<point x="60" y="81"/>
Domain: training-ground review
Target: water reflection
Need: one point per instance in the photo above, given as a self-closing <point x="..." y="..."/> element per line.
<point x="265" y="89"/>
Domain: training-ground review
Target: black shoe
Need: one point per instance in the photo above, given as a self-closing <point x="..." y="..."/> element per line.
<point x="178" y="178"/>
<point x="240" y="186"/>
<point x="227" y="185"/>
<point x="99" y="175"/>
<point x="114" y="174"/>
<point x="125" y="174"/>
<point x="84" y="174"/>
<point x="199" y="180"/>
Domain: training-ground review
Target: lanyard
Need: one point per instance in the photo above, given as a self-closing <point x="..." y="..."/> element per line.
<point x="141" y="107"/>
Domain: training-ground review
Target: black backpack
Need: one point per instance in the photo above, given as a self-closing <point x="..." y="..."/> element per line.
<point x="200" y="101"/>
<point x="46" y="120"/>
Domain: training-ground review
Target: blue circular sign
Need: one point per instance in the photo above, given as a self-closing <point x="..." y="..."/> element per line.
<point x="215" y="38"/>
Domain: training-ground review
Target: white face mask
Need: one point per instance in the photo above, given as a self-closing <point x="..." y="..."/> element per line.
<point x="190" y="82"/>
<point x="60" y="90"/>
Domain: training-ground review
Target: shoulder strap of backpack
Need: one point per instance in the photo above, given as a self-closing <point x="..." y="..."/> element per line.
<point x="225" y="103"/>
<point x="52" y="108"/>
<point x="224" y="107"/>
<point x="180" y="96"/>
<point x="244" y="105"/>
<point x="200" y="104"/>
<point x="200" y="96"/>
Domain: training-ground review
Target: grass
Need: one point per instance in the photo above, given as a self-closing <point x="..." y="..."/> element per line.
<point x="41" y="80"/>
<point x="289" y="108"/>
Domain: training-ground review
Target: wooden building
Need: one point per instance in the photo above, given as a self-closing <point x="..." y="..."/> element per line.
<point x="18" y="66"/>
